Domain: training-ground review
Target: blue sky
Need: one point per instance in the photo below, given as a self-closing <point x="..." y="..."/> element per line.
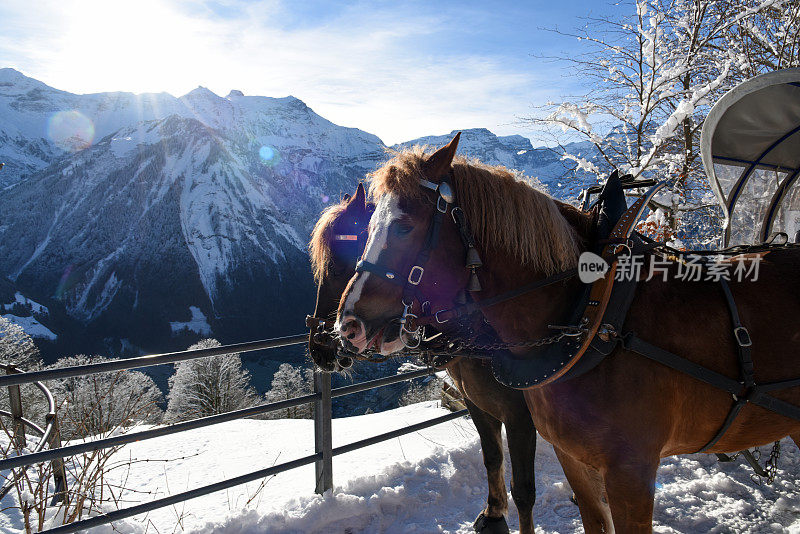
<point x="399" y="70"/>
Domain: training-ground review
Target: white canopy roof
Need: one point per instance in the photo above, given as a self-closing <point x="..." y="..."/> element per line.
<point x="750" y="146"/>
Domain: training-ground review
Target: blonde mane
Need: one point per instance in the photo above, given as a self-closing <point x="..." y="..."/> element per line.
<point x="319" y="248"/>
<point x="503" y="211"/>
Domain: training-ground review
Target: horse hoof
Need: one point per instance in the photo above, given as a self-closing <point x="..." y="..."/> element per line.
<point x="490" y="525"/>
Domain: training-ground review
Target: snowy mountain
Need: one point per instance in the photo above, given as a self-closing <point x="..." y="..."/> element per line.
<point x="544" y="165"/>
<point x="176" y="207"/>
<point x="150" y="219"/>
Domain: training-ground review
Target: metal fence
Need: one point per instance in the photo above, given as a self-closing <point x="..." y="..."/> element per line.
<point x="321" y="399"/>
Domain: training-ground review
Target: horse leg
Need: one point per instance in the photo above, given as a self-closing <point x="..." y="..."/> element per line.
<point x="630" y="488"/>
<point x="522" y="449"/>
<point x="492" y="519"/>
<point x="587" y="485"/>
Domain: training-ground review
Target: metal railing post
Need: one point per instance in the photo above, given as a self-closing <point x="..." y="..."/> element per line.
<point x="323" y="435"/>
<point x="15" y="400"/>
<point x="59" y="471"/>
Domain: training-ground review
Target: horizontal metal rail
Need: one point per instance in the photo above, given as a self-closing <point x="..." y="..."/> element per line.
<point x="116" y="515"/>
<point x="78" y="448"/>
<point x="380" y="382"/>
<point x="149" y="361"/>
<point x="114" y="441"/>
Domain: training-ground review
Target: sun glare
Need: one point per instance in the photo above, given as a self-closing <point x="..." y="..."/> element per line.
<point x="70" y="130"/>
<point x="139" y="46"/>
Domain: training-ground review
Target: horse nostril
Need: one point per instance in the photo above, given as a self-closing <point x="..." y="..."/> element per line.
<point x="350" y="329"/>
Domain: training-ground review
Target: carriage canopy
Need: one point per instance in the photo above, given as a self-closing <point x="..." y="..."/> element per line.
<point x="750" y="146"/>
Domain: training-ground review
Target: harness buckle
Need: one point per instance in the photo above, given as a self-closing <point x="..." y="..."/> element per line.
<point x="619" y="247"/>
<point x="742" y="336"/>
<point x="414" y="281"/>
<point x="457" y="214"/>
<point x="415" y="335"/>
<point x="441" y="204"/>
<point x="436" y="316"/>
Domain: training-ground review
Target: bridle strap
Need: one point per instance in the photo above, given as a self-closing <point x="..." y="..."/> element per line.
<point x="387" y="274"/>
<point x="315" y="323"/>
<point x="412" y="279"/>
<point x="443" y="316"/>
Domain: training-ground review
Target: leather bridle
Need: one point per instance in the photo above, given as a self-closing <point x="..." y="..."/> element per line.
<point x="445" y="198"/>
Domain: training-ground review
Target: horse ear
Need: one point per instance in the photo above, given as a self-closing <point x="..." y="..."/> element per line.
<point x="360" y="198"/>
<point x="439" y="163"/>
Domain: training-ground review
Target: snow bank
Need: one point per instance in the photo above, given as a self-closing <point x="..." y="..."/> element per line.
<point x="32" y="327"/>
<point x="429" y="481"/>
<point x="25" y="301"/>
<point x="198" y="323"/>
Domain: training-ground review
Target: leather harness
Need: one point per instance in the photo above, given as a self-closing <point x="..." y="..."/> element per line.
<point x="598" y="319"/>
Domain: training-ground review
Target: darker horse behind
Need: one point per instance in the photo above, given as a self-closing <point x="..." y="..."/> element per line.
<point x="337" y="242"/>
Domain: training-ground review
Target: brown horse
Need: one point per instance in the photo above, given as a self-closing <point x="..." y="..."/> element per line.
<point x="611" y="425"/>
<point x="336" y="244"/>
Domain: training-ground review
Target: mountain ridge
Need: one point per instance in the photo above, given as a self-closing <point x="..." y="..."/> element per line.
<point x="170" y="207"/>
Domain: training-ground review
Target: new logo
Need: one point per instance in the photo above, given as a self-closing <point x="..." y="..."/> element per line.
<point x="591" y="267"/>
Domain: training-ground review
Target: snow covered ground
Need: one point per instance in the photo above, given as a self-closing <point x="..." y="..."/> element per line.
<point x="198" y="323"/>
<point x="32" y="327"/>
<point x="430" y="481"/>
<point x="19" y="298"/>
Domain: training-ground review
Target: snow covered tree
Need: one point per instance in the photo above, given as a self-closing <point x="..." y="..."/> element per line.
<point x="422" y="389"/>
<point x="18" y="349"/>
<point x="208" y="386"/>
<point x="16" y="346"/>
<point x="105" y="402"/>
<point x="653" y="77"/>
<point x="289" y="382"/>
<point x="93" y="405"/>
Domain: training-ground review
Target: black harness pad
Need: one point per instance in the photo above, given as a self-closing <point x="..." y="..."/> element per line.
<point x="542" y="362"/>
<point x="612" y="204"/>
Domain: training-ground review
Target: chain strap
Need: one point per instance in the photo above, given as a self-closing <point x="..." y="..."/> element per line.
<point x="771" y="466"/>
<point x="500" y="345"/>
<point x="456" y="344"/>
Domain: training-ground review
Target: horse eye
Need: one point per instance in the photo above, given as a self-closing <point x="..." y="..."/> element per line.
<point x="403" y="229"/>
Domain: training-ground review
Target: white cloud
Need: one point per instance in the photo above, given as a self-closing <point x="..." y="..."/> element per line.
<point x="376" y="70"/>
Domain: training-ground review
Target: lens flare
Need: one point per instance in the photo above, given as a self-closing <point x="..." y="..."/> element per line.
<point x="67" y="282"/>
<point x="71" y="130"/>
<point x="325" y="199"/>
<point x="268" y="155"/>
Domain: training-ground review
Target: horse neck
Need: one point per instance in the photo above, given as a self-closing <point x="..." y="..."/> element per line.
<point x="528" y="315"/>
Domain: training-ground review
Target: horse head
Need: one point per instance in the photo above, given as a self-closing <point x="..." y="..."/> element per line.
<point x="336" y="243"/>
<point x="414" y="259"/>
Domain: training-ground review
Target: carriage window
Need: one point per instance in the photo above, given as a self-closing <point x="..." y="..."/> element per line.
<point x="787" y="218"/>
<point x="752" y="205"/>
<point x="727" y="175"/>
